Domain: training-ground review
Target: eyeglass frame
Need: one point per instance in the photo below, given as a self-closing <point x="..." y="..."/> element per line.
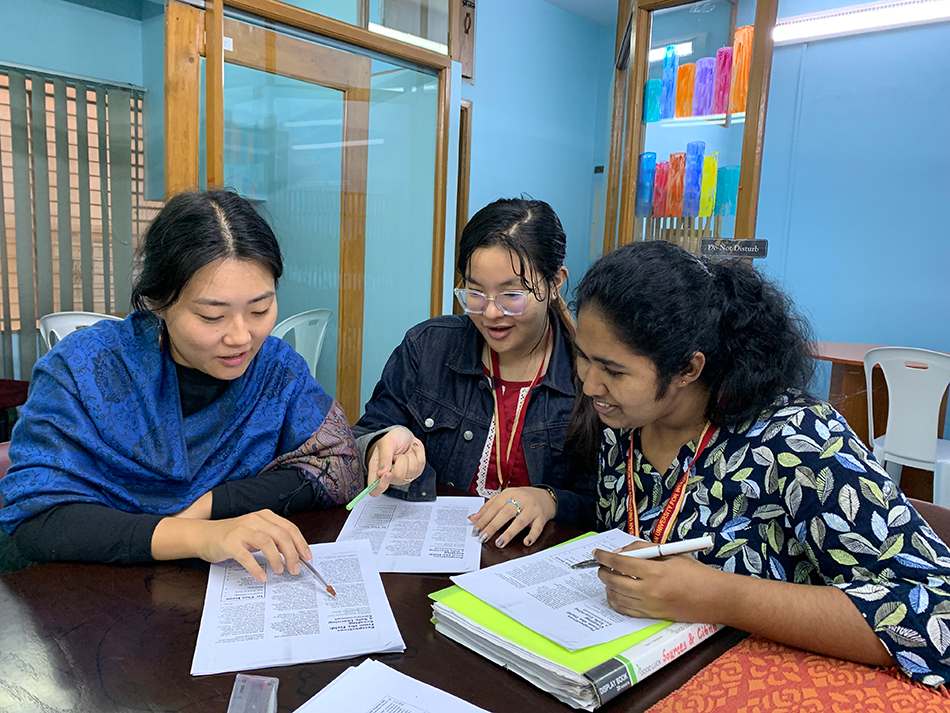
<point x="459" y="291"/>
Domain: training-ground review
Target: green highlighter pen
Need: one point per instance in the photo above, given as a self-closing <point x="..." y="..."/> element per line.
<point x="350" y="505"/>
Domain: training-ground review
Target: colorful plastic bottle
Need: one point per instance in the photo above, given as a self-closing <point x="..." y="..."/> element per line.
<point x="675" y="184"/>
<point x="722" y="82"/>
<point x="685" y="81"/>
<point x="651" y="100"/>
<point x="741" y="61"/>
<point x="668" y="87"/>
<point x="660" y="181"/>
<point x="707" y="192"/>
<point x="703" y="87"/>
<point x="695" y="152"/>
<point x="645" y="176"/>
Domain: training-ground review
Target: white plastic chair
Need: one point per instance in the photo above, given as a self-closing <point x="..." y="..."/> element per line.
<point x="61" y="324"/>
<point x="309" y="330"/>
<point x="916" y="381"/>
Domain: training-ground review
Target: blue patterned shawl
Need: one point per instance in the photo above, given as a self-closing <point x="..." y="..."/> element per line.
<point x="103" y="424"/>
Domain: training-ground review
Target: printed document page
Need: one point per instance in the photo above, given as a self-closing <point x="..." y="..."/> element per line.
<point x="417" y="537"/>
<point x="373" y="687"/>
<point x="541" y="591"/>
<point x="290" y="619"/>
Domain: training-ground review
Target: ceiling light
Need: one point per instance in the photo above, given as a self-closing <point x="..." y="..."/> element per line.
<point x="858" y="19"/>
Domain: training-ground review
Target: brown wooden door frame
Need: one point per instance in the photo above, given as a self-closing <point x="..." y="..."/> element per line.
<point x="464" y="184"/>
<point x="187" y="40"/>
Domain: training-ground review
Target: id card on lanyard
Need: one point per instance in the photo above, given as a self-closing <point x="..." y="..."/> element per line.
<point x="664" y="526"/>
<point x="503" y="461"/>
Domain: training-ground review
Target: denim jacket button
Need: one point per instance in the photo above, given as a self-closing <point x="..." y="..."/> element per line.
<point x="468" y="435"/>
<point x="429" y="423"/>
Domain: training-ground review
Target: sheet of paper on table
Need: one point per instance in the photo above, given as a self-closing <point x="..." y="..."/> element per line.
<point x="414" y="537"/>
<point x="543" y="593"/>
<point x="290" y="619"/>
<point x="373" y="687"/>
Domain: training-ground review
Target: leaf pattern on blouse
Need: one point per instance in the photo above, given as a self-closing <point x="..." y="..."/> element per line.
<point x="796" y="496"/>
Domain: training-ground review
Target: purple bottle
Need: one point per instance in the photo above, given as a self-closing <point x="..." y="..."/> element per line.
<point x="703" y="91"/>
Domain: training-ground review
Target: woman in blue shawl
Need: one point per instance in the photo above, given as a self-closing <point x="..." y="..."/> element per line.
<point x="183" y="430"/>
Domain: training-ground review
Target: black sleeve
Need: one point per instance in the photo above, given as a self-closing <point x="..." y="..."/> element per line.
<point x="283" y="490"/>
<point x="86" y="532"/>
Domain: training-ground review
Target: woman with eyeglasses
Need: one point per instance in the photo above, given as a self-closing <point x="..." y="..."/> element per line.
<point x="482" y="401"/>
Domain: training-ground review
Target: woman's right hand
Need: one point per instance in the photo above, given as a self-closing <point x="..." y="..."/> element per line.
<point x="398" y="458"/>
<point x="235" y="538"/>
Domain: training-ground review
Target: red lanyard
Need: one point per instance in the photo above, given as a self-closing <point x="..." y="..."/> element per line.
<point x="664" y="526"/>
<point x="518" y="424"/>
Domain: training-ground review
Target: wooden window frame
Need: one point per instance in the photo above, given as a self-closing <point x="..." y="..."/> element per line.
<point x="191" y="33"/>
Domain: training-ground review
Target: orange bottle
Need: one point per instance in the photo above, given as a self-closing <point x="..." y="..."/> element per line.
<point x="685" y="83"/>
<point x="741" y="59"/>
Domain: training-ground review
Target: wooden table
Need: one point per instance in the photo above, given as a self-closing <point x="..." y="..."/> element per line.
<point x="848" y="394"/>
<point x="112" y="639"/>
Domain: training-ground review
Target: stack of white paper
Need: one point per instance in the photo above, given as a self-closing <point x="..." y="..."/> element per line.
<point x="290" y="619"/>
<point x="429" y="537"/>
<point x="373" y="687"/>
<point x="558" y="632"/>
<point x="541" y="591"/>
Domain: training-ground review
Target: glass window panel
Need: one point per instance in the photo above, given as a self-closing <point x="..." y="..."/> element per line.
<point x="422" y="19"/>
<point x="283" y="149"/>
<point x="399" y="211"/>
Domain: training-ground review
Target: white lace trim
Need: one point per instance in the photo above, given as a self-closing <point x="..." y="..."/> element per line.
<point x="481" y="475"/>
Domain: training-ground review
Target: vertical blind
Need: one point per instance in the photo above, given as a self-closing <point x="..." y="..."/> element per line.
<point x="72" y="175"/>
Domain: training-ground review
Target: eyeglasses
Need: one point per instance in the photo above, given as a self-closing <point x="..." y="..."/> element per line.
<point x="475" y="302"/>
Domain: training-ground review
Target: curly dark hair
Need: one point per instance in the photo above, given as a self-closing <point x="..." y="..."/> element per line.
<point x="664" y="303"/>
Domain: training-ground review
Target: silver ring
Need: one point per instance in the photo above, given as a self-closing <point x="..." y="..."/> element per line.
<point x="515" y="503"/>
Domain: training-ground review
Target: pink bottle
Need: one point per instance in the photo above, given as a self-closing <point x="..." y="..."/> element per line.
<point x="659" y="188"/>
<point x="723" y="80"/>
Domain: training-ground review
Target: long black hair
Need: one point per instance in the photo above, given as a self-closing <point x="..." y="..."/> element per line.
<point x="192" y="230"/>
<point x="666" y="304"/>
<point x="532" y="232"/>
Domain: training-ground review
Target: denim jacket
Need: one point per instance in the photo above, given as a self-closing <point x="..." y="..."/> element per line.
<point x="434" y="385"/>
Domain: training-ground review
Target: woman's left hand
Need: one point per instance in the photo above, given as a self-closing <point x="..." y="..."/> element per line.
<point x="677" y="588"/>
<point x="536" y="508"/>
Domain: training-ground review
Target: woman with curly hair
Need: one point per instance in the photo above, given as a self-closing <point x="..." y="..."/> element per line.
<point x="695" y="375"/>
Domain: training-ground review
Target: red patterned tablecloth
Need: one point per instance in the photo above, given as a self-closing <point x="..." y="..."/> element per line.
<point x="760" y="676"/>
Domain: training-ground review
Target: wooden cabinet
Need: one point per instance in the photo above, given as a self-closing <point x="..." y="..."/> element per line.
<point x="691" y="92"/>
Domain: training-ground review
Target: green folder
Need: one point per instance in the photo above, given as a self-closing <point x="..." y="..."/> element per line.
<point x="580" y="661"/>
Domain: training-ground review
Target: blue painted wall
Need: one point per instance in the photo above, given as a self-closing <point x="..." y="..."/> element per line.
<point x="65" y="37"/>
<point x="855" y="183"/>
<point x="535" y="111"/>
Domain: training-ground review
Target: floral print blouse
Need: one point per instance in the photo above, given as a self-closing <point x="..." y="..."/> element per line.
<point x="796" y="496"/>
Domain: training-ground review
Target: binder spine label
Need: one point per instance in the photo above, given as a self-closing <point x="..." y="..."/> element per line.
<point x="615" y="676"/>
<point x="610" y="679"/>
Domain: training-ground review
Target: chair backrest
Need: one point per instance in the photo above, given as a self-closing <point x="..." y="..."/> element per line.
<point x="937" y="516"/>
<point x="61" y="324"/>
<point x="916" y="381"/>
<point x="309" y="328"/>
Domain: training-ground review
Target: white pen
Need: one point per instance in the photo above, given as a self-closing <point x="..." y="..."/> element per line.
<point x="648" y="553"/>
